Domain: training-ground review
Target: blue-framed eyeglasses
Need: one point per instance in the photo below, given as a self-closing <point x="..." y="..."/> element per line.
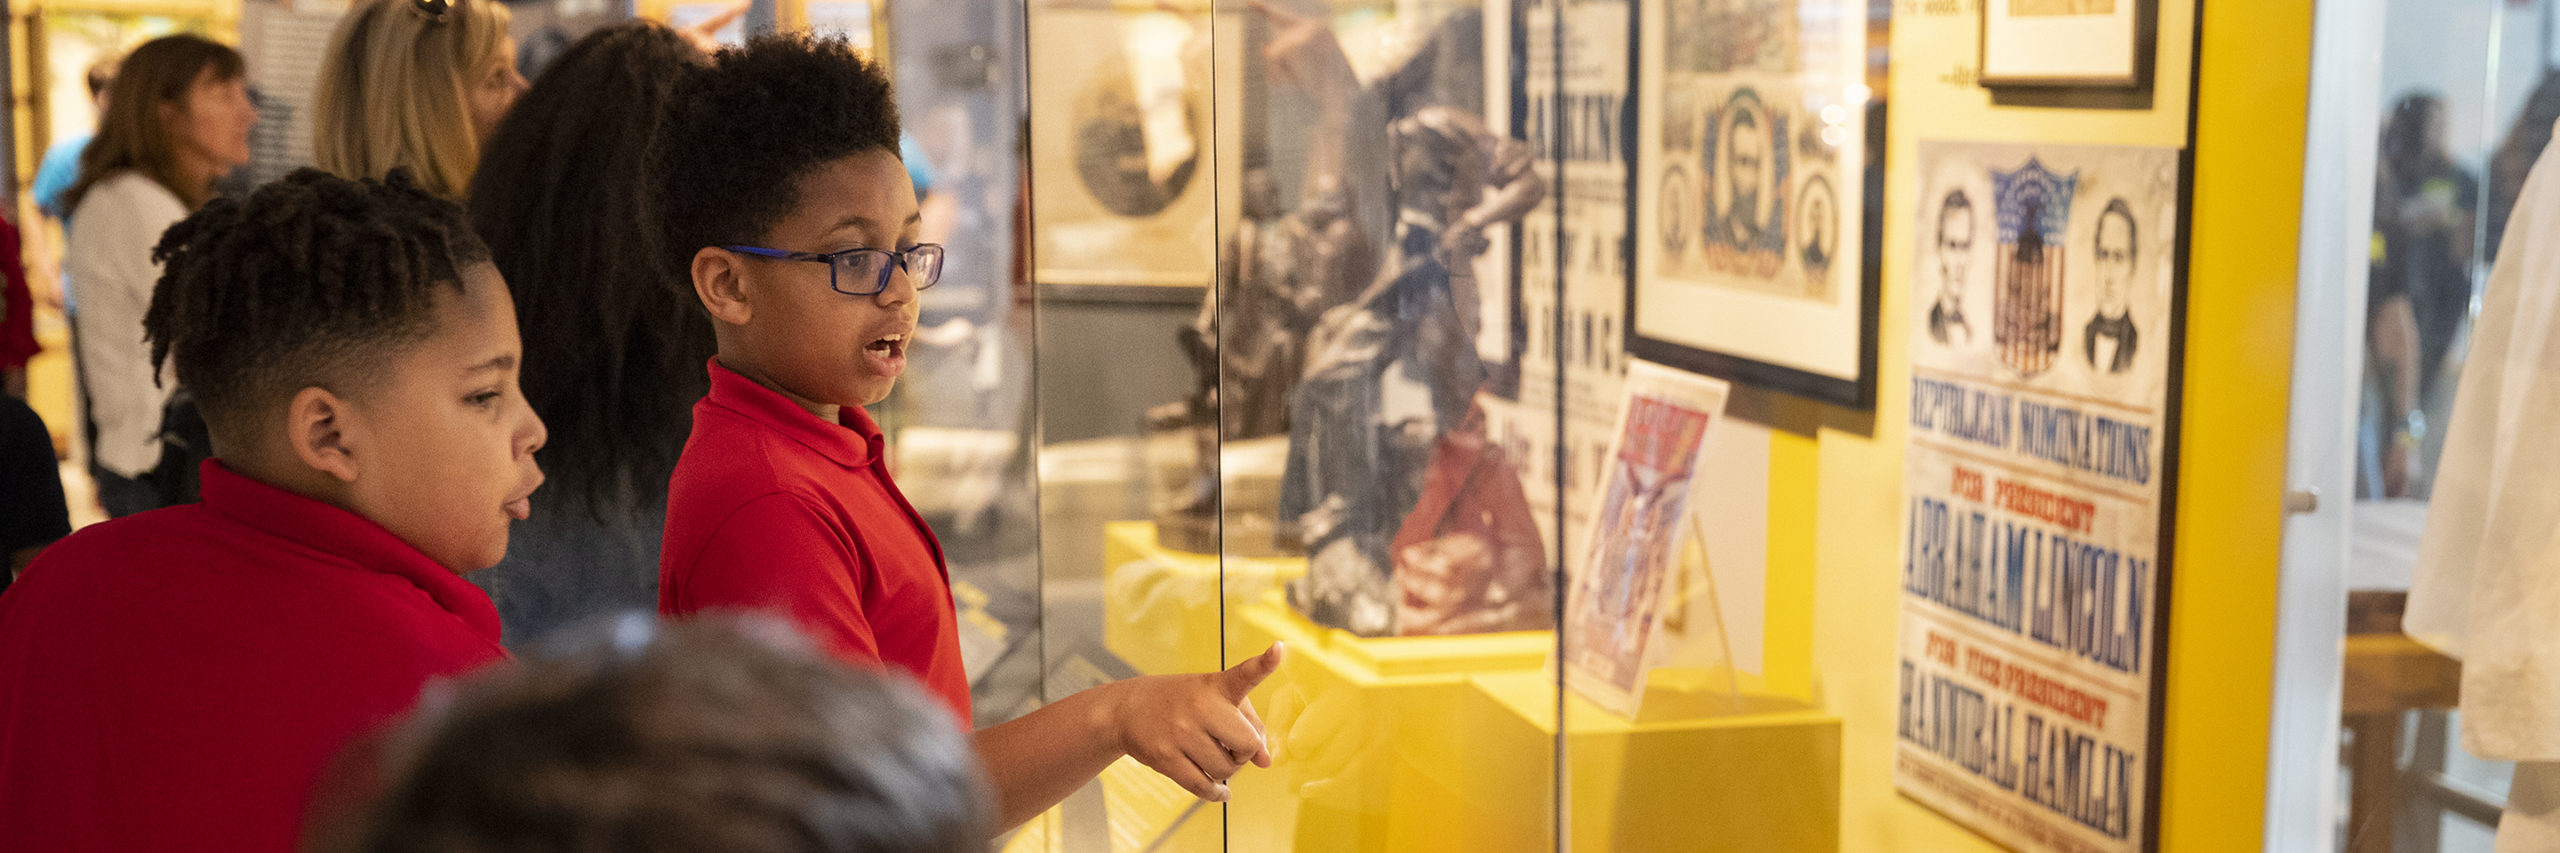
<point x="864" y="272"/>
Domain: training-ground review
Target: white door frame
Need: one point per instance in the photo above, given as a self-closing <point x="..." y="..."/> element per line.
<point x="2328" y="372"/>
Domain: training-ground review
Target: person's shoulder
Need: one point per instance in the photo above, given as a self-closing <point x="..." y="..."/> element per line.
<point x="130" y="197"/>
<point x="727" y="454"/>
<point x="114" y="559"/>
<point x="732" y="454"/>
<point x="732" y="464"/>
<point x="131" y="185"/>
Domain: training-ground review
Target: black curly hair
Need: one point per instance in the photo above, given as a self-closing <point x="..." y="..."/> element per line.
<point x="311" y="280"/>
<point x="740" y="136"/>
<point x="613" y="345"/>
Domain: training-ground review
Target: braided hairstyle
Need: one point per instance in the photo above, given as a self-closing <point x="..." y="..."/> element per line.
<point x="739" y="136"/>
<point x="311" y="280"/>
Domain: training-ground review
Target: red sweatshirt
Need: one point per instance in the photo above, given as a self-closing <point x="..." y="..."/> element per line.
<point x="177" y="679"/>
<point x="773" y="509"/>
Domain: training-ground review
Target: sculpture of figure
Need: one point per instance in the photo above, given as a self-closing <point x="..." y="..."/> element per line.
<point x="1230" y="371"/>
<point x="1390" y="372"/>
<point x="1277" y="276"/>
<point x="1328" y="260"/>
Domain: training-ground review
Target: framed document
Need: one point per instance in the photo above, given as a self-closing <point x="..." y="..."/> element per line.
<point x="2083" y="43"/>
<point x="1758" y="148"/>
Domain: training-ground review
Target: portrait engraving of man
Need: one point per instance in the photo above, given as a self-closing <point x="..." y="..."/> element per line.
<point x="2109" y="339"/>
<point x="1821" y="231"/>
<point x="1947" y="323"/>
<point x="1748" y="171"/>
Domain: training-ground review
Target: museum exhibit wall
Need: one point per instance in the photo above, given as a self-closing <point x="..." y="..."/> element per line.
<point x="2247" y="145"/>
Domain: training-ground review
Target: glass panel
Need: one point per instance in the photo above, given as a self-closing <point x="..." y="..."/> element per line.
<point x="1747" y="115"/>
<point x="1124" y="189"/>
<point x="964" y="420"/>
<point x="2463" y="115"/>
<point x="1382" y="512"/>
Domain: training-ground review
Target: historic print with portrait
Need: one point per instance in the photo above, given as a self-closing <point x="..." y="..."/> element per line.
<point x="2046" y="266"/>
<point x="1753" y="163"/>
<point x="2043" y="328"/>
<point x="1121" y="149"/>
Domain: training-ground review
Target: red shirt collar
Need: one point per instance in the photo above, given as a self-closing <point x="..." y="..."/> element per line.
<point x="346" y="536"/>
<point x="854" y="442"/>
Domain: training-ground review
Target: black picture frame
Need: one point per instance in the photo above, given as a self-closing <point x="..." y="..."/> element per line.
<point x="2143" y="34"/>
<point x="1852" y="392"/>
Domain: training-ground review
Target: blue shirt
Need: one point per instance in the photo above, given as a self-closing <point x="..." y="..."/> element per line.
<point x="60" y="169"/>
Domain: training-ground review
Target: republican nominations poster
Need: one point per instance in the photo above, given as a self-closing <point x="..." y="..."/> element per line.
<point x="2041" y="315"/>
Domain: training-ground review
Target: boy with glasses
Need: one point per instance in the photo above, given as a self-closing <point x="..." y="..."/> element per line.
<point x="781" y="193"/>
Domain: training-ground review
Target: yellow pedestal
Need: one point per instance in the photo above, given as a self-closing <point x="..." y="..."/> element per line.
<point x="1366" y="730"/>
<point x="1449" y="743"/>
<point x="1765" y="779"/>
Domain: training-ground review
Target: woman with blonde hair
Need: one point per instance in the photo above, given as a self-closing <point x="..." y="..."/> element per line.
<point x="177" y="119"/>
<point x="416" y="83"/>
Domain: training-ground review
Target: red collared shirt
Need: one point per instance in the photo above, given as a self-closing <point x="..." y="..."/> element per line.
<point x="772" y="508"/>
<point x="177" y="679"/>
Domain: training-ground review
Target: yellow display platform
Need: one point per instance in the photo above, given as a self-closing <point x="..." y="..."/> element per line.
<point x="1450" y="743"/>
<point x="1764" y="779"/>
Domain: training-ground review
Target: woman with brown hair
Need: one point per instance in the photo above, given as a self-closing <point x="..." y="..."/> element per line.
<point x="177" y="119"/>
<point x="416" y="83"/>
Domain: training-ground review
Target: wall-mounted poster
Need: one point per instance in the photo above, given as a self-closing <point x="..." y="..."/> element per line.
<point x="2044" y="334"/>
<point x="1612" y="617"/>
<point x="1755" y="141"/>
<point x="1121" y="148"/>
<point x="2065" y="42"/>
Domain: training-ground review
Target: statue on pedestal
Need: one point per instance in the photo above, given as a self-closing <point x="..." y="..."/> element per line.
<point x="1392" y="372"/>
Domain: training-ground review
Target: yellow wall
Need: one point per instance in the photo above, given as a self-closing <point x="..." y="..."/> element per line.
<point x="2240" y="315"/>
<point x="2251" y="119"/>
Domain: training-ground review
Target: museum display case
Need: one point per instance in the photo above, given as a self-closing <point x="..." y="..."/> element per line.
<point x="1333" y="353"/>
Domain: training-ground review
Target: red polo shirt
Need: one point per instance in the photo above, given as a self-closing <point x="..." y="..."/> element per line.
<point x="772" y="508"/>
<point x="177" y="679"/>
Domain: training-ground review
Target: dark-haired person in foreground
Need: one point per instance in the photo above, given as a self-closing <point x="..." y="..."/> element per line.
<point x="784" y="200"/>
<point x="614" y="346"/>
<point x="176" y="680"/>
<point x="626" y="735"/>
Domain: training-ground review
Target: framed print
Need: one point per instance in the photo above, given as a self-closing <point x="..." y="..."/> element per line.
<point x="2094" y="43"/>
<point x="1122" y="152"/>
<point x="2045" y="335"/>
<point x="1614" y="600"/>
<point x="1758" y="146"/>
